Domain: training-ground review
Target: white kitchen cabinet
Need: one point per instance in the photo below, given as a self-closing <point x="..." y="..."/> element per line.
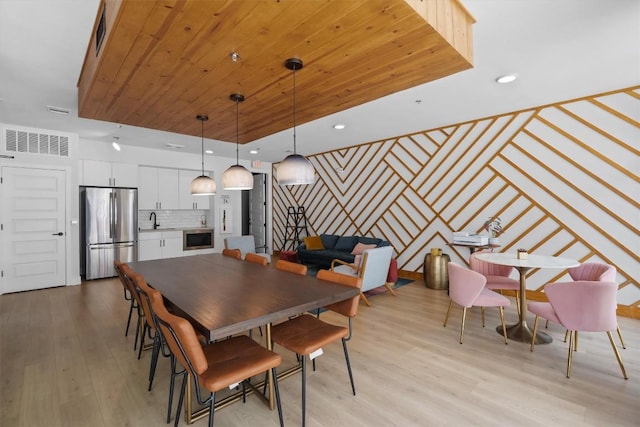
<point x="159" y="244"/>
<point x="109" y="174"/>
<point x="158" y="188"/>
<point x="187" y="200"/>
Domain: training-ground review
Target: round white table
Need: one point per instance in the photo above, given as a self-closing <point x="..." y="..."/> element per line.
<point x="521" y="331"/>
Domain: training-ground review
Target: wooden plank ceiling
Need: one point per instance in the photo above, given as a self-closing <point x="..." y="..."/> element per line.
<point x="163" y="62"/>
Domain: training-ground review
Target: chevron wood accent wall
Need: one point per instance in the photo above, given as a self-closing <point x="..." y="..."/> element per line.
<point x="564" y="178"/>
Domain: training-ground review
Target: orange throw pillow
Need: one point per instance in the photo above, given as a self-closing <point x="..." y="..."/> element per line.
<point x="360" y="248"/>
<point x="313" y="243"/>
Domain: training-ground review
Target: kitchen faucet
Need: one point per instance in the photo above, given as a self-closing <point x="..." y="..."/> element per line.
<point x="155" y="224"/>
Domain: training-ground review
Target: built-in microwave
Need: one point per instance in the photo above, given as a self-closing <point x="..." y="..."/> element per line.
<point x="199" y="238"/>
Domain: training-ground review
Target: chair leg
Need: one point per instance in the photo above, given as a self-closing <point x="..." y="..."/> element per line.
<point x="181" y="398"/>
<point x="389" y="288"/>
<point x="157" y="343"/>
<point x="172" y="381"/>
<point x="276" y="390"/>
<point x="566" y="334"/>
<point x="446" y="317"/>
<point x="144" y="331"/>
<point x="615" y="350"/>
<point x="126" y="331"/>
<point x="575" y="341"/>
<point x="620" y="336"/>
<point x="546" y="326"/>
<point x="364" y="298"/>
<point x="212" y="407"/>
<point x="482" y="310"/>
<point x="518" y="302"/>
<point x="346" y="357"/>
<point x="304" y="388"/>
<point x="504" y="328"/>
<point x="464" y="316"/>
<point x="570" y="357"/>
<point x="535" y="331"/>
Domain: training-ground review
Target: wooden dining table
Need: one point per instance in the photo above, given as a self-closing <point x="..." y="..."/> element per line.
<point x="521" y="331"/>
<point x="223" y="296"/>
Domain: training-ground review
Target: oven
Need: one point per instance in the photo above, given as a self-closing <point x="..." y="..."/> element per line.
<point x="199" y="238"/>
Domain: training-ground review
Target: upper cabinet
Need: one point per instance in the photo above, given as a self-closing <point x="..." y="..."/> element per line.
<point x="159" y="188"/>
<point x="108" y="174"/>
<point x="187" y="200"/>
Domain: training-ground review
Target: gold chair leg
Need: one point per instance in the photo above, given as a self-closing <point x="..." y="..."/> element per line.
<point x="546" y="326"/>
<point x="464" y="316"/>
<point x="446" y="317"/>
<point x="364" y="298"/>
<point x="570" y="357"/>
<point x="482" y="311"/>
<point x="535" y="331"/>
<point x="620" y="336"/>
<point x="518" y="302"/>
<point x="575" y="341"/>
<point x="566" y="334"/>
<point x="504" y="328"/>
<point x="389" y="288"/>
<point x="615" y="350"/>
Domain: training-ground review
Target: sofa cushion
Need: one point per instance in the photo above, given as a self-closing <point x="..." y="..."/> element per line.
<point x="313" y="243"/>
<point x="369" y="240"/>
<point x="360" y="248"/>
<point x="329" y="240"/>
<point x="346" y="243"/>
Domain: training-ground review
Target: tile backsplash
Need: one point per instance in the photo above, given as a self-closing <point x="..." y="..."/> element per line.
<point x="174" y="219"/>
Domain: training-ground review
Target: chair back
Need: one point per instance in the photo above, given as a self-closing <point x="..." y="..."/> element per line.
<point x="181" y="338"/>
<point x="128" y="277"/>
<point x="374" y="267"/>
<point x="145" y="291"/>
<point x="487" y="268"/>
<point x="233" y="253"/>
<point x="584" y="305"/>
<point x="256" y="259"/>
<point x="347" y="307"/>
<point x="464" y="285"/>
<point x="246" y="244"/>
<point x="593" y="271"/>
<point x="292" y="267"/>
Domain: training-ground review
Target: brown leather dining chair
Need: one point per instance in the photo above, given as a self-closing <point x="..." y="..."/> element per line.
<point x="217" y="365"/>
<point x="256" y="259"/>
<point x="306" y="334"/>
<point x="117" y="265"/>
<point x="128" y="274"/>
<point x="291" y="267"/>
<point x="233" y="253"/>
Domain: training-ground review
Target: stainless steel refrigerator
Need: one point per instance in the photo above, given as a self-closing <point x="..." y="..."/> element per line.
<point x="110" y="229"/>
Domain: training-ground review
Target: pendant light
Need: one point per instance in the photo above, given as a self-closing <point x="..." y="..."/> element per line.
<point x="237" y="177"/>
<point x="295" y="169"/>
<point x="203" y="185"/>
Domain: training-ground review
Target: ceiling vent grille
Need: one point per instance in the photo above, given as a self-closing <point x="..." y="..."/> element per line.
<point x="36" y="143"/>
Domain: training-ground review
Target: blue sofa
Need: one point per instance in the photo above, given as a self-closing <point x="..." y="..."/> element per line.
<point x="335" y="247"/>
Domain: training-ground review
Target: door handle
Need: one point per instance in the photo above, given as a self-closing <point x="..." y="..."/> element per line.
<point x="58" y="234"/>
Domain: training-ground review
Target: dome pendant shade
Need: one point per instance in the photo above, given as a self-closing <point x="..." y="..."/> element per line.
<point x="203" y="185"/>
<point x="295" y="170"/>
<point x="237" y="177"/>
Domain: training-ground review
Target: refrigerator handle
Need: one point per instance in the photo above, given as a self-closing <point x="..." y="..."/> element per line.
<point x="111" y="203"/>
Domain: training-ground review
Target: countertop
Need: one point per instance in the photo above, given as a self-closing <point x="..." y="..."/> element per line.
<point x="146" y="230"/>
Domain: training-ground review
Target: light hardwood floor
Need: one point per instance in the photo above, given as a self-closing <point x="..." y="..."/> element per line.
<point x="66" y="362"/>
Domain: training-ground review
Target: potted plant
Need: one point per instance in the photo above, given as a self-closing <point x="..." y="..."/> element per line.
<point x="494" y="227"/>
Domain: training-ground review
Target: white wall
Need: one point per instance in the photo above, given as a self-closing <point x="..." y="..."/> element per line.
<point x="86" y="149"/>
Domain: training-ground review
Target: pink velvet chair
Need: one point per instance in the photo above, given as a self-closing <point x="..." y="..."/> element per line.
<point x="497" y="276"/>
<point x="595" y="272"/>
<point x="467" y="288"/>
<point x="579" y="306"/>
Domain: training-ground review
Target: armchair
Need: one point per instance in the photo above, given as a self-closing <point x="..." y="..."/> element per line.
<point x="373" y="269"/>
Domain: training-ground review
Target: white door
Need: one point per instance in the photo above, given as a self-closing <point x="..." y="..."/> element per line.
<point x="33" y="228"/>
<point x="258" y="211"/>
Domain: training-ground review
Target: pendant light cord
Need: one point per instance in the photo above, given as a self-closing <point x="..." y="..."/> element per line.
<point x="202" y="145"/>
<point x="237" y="137"/>
<point x="294" y="110"/>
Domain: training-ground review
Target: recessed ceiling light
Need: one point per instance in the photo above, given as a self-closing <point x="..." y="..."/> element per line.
<point x="115" y="144"/>
<point x="176" y="146"/>
<point x="58" y="110"/>
<point x="339" y="126"/>
<point x="208" y="151"/>
<point x="508" y="78"/>
<point x="254" y="151"/>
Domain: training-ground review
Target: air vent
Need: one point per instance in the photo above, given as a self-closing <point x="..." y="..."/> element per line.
<point x="58" y="110"/>
<point x="36" y="143"/>
<point x="174" y="146"/>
